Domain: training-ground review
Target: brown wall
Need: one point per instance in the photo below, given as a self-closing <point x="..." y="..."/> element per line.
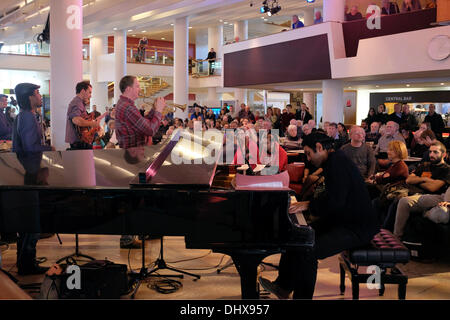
<point x="296" y="60"/>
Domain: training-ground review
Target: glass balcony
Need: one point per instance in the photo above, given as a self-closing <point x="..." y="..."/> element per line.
<point x="205" y="68"/>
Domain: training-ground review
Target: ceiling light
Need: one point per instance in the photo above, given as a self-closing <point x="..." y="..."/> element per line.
<point x="144" y="31"/>
<point x="190" y="27"/>
<point x="133" y="35"/>
<point x="130" y="30"/>
<point x="408" y="85"/>
<point x="163" y="38"/>
<point x="90" y="36"/>
<point x="442" y="83"/>
<point x="274" y="9"/>
<point x="220" y="20"/>
<point x="310" y="1"/>
<point x="171" y="24"/>
<point x="114" y="29"/>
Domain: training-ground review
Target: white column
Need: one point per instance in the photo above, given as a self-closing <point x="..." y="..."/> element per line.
<point x="120" y="60"/>
<point x="98" y="46"/>
<point x="265" y="101"/>
<point x="240" y="96"/>
<point x="66" y="68"/>
<point x="333" y="10"/>
<point x="211" y="100"/>
<point x="241" y="30"/>
<point x="308" y="16"/>
<point x="333" y="101"/>
<point x="251" y="98"/>
<point x="180" y="67"/>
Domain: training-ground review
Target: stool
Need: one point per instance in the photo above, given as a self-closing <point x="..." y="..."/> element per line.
<point x="384" y="251"/>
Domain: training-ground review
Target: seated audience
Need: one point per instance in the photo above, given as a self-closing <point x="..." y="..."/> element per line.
<point x="398" y="170"/>
<point x="332" y="132"/>
<point x="374" y="134"/>
<point x="381" y="115"/>
<point x="342" y="129"/>
<point x="391" y="133"/>
<point x="371" y="116"/>
<point x="388" y="7"/>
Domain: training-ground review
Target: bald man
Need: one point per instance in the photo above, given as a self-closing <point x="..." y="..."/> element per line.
<point x="359" y="152"/>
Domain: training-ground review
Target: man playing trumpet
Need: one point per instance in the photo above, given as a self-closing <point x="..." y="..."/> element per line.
<point x="133" y="130"/>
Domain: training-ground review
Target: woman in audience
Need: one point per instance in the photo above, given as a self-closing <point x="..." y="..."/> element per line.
<point x="342" y="131"/>
<point x="398" y="170"/>
<point x="381" y="116"/>
<point x="371" y="117"/>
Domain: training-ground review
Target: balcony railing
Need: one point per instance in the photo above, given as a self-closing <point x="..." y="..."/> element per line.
<point x="205" y="68"/>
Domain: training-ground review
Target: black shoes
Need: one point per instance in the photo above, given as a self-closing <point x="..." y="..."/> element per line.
<point x="274" y="288"/>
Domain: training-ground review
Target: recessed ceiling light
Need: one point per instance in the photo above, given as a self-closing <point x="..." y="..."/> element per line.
<point x="90" y="36"/>
<point x="133" y="35"/>
<point x="220" y="20"/>
<point x="408" y="85"/>
<point x="144" y="31"/>
<point x="130" y="30"/>
<point x="163" y="38"/>
<point x="171" y="24"/>
<point x="114" y="29"/>
<point x="442" y="83"/>
<point x="190" y="27"/>
<point x="225" y="22"/>
<point x="377" y="86"/>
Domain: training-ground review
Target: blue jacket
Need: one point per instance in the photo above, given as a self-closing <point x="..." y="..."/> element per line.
<point x="297" y="25"/>
<point x="27" y="134"/>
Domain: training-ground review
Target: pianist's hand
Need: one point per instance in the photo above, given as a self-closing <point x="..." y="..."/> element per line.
<point x="298" y="207"/>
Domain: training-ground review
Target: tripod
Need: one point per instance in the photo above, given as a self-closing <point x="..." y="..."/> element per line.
<point x="77" y="252"/>
<point x="160" y="264"/>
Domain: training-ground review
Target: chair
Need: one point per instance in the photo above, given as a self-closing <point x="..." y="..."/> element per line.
<point x="384" y="251"/>
<point x="296" y="172"/>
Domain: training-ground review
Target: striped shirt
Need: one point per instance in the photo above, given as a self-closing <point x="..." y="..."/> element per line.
<point x="132" y="129"/>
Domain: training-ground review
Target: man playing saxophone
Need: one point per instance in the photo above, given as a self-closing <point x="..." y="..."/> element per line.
<point x="134" y="131"/>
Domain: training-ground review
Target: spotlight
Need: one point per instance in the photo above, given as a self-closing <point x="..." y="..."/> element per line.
<point x="310" y="1"/>
<point x="275" y="10"/>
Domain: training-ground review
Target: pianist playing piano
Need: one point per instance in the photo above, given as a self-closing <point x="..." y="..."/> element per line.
<point x="343" y="214"/>
<point x="134" y="130"/>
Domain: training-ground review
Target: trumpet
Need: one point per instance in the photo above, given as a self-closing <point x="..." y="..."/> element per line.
<point x="170" y="107"/>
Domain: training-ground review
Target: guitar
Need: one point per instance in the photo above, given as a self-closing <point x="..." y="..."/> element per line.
<point x="87" y="134"/>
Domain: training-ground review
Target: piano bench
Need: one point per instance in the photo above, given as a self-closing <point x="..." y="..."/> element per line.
<point x="384" y="252"/>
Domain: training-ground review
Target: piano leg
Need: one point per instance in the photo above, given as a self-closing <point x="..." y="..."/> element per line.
<point x="247" y="265"/>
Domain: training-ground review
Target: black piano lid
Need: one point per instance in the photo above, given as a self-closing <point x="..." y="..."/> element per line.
<point x="106" y="168"/>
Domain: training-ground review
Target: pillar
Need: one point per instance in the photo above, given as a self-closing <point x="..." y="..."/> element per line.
<point x="180" y="67"/>
<point x="333" y="10"/>
<point x="308" y="16"/>
<point x="98" y="46"/>
<point x="66" y="68"/>
<point x="308" y="99"/>
<point x="211" y="100"/>
<point x="241" y="30"/>
<point x="120" y="60"/>
<point x="240" y="96"/>
<point x="333" y="101"/>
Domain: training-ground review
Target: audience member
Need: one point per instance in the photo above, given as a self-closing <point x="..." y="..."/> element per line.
<point x="359" y="152"/>
<point x="381" y="115"/>
<point x="332" y="132"/>
<point x="410" y="5"/>
<point x="392" y="133"/>
<point x="371" y="116"/>
<point x="318" y="17"/>
<point x="388" y="7"/>
<point x="354" y="14"/>
<point x="409" y="119"/>
<point x="436" y="121"/>
<point x="303" y="114"/>
<point x="296" y="23"/>
<point x="397" y="115"/>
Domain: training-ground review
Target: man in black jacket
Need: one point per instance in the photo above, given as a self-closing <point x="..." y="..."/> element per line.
<point x="343" y="214"/>
<point x="303" y="114"/>
<point x="211" y="60"/>
<point x="436" y="121"/>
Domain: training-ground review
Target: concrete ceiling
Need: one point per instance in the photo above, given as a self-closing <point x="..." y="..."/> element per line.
<point x="101" y="17"/>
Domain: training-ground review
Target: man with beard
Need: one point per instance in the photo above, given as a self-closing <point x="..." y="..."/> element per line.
<point x="343" y="219"/>
<point x="431" y="178"/>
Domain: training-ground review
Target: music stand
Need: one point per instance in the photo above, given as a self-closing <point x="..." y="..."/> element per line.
<point x="76" y="253"/>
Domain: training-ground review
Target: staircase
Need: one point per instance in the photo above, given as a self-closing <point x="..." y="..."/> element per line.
<point x="150" y="86"/>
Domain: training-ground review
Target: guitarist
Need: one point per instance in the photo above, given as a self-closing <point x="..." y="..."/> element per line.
<point x="77" y="117"/>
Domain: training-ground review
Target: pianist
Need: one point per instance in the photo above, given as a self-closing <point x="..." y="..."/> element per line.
<point x="344" y="219"/>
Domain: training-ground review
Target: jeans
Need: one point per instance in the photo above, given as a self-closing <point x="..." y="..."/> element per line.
<point x="80" y="146"/>
<point x="298" y="269"/>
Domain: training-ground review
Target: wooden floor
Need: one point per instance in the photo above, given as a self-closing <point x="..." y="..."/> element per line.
<point x="426" y="280"/>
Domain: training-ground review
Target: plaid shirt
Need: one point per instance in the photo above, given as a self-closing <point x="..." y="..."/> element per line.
<point x="132" y="129"/>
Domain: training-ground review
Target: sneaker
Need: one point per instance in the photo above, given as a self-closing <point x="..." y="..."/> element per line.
<point x="132" y="245"/>
<point x="274" y="288"/>
<point x="32" y="270"/>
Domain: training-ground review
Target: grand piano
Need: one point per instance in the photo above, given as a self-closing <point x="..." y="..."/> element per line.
<point x="175" y="188"/>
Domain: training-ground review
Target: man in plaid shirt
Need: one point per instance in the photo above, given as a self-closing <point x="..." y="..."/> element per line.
<point x="132" y="129"/>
